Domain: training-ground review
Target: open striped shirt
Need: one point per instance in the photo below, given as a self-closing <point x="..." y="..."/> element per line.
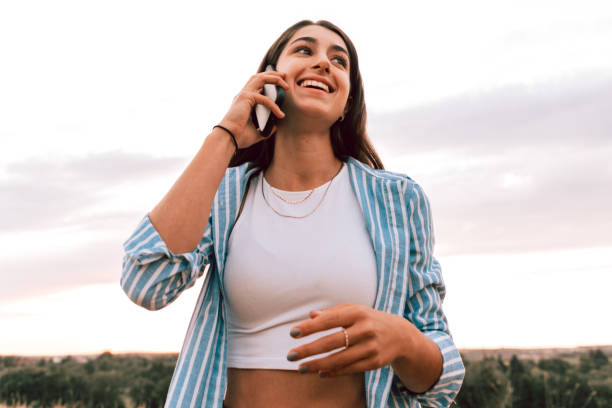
<point x="399" y="223"/>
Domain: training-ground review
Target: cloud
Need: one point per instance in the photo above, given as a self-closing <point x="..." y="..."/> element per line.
<point x="71" y="201"/>
<point x="42" y="193"/>
<point x="526" y="204"/>
<point x="514" y="169"/>
<point x="563" y="112"/>
<point x="63" y="200"/>
<point x="38" y="274"/>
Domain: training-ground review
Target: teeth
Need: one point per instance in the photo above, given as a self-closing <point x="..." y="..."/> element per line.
<point x="318" y="84"/>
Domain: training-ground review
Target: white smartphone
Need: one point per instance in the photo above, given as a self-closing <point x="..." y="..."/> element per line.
<point x="262" y="117"/>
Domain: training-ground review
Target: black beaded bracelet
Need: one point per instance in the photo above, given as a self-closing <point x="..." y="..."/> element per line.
<point x="231" y="134"/>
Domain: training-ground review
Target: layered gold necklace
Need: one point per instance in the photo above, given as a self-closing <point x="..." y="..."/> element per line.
<point x="299" y="201"/>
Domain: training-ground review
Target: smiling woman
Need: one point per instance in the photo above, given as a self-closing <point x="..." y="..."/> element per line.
<point x="306" y="237"/>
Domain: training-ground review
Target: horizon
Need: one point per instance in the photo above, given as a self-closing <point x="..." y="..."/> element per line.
<point x="603" y="347"/>
<point x="508" y="133"/>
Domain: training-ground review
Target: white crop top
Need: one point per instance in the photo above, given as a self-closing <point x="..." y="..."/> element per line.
<point x="278" y="269"/>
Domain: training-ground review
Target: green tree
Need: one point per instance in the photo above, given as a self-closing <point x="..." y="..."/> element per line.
<point x="555" y="365"/>
<point x="569" y="391"/>
<point x="105" y="389"/>
<point x="593" y="360"/>
<point x="8" y="361"/>
<point x="104" y="361"/>
<point x="528" y="391"/>
<point x="484" y="385"/>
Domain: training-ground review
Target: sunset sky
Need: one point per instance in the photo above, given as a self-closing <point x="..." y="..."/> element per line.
<point x="501" y="110"/>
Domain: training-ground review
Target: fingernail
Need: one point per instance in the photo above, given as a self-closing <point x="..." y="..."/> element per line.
<point x="295" y="332"/>
<point x="292" y="356"/>
<point x="303" y="369"/>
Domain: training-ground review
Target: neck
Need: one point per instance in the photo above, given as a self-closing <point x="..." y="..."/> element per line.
<point x="303" y="159"/>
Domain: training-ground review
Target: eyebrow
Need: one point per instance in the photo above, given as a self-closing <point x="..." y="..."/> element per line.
<point x="314" y="41"/>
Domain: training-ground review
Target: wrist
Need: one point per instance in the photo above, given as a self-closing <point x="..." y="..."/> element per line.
<point x="406" y="343"/>
<point x="229" y="132"/>
<point x="223" y="141"/>
<point x="419" y="363"/>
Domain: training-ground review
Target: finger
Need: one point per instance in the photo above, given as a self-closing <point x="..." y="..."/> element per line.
<point x="314" y="313"/>
<point x="276" y="80"/>
<point x="268" y="103"/>
<point x="258" y="81"/>
<point x="342" y="315"/>
<point x="339" y="359"/>
<point x="322" y="345"/>
<point x="359" y="366"/>
<point x="278" y="73"/>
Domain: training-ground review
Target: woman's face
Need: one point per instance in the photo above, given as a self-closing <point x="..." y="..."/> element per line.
<point x="315" y="53"/>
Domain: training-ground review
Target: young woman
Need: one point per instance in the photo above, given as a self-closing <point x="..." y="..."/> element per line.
<point x="321" y="288"/>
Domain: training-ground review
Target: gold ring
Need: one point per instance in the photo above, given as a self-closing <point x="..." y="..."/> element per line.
<point x="346" y="338"/>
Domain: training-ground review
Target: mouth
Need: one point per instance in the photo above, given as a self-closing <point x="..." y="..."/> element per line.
<point x="315" y="85"/>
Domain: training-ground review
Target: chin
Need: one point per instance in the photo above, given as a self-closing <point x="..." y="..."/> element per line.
<point x="317" y="118"/>
<point x="310" y="113"/>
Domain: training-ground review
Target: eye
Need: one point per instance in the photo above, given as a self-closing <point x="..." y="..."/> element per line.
<point x="303" y="48"/>
<point x="341" y="60"/>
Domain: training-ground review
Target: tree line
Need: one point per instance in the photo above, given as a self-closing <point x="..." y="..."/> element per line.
<point x="575" y="381"/>
<point x="107" y="381"/>
<point x="127" y="381"/>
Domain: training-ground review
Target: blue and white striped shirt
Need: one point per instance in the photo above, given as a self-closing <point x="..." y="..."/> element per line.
<point x="398" y="220"/>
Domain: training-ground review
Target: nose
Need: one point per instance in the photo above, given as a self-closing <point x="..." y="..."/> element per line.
<point x="322" y="63"/>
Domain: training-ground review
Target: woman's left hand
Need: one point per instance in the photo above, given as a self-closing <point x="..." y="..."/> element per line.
<point x="376" y="339"/>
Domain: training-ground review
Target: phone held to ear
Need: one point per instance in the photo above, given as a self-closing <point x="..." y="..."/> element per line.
<point x="263" y="119"/>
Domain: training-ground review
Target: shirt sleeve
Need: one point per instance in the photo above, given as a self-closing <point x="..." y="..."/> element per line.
<point x="153" y="276"/>
<point x="424" y="303"/>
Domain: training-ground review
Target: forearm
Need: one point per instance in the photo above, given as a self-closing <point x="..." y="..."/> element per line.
<point x="181" y="216"/>
<point x="419" y="361"/>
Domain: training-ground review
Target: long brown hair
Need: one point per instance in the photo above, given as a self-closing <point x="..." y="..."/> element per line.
<point x="349" y="137"/>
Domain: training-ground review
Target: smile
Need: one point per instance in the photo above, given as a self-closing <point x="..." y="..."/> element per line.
<point x="314" y="90"/>
<point x="314" y="84"/>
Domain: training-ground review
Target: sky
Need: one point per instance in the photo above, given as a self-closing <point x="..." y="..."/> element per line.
<point x="500" y="110"/>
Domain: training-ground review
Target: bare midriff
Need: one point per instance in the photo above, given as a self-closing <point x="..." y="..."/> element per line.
<point x="254" y="388"/>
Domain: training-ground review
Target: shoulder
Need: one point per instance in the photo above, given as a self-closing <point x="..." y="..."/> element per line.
<point x="238" y="175"/>
<point x="233" y="184"/>
<point x="409" y="186"/>
<point x="359" y="167"/>
<point x="241" y="171"/>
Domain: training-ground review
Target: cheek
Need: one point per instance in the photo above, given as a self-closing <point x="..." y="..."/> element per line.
<point x="347" y="85"/>
<point x="347" y="91"/>
<point x="284" y="65"/>
<point x="280" y="66"/>
<point x="289" y="70"/>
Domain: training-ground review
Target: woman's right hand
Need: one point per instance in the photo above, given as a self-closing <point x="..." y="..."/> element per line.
<point x="238" y="118"/>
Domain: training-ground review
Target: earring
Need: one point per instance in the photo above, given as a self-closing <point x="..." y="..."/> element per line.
<point x="341" y="118"/>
